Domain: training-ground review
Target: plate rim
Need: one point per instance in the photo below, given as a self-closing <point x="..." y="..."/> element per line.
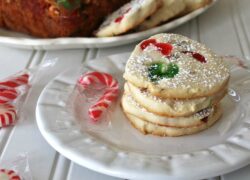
<point x="211" y="152"/>
<point x="85" y="42"/>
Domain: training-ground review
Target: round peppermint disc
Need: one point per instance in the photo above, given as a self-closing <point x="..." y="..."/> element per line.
<point x="8" y="115"/>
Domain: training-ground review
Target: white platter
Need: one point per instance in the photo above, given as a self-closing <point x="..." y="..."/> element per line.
<point x="19" y="40"/>
<point x="122" y="151"/>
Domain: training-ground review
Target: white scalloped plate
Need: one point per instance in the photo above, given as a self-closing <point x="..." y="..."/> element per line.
<point x="19" y="40"/>
<point x="122" y="151"/>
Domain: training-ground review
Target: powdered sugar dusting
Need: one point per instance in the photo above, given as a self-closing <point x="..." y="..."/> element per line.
<point x="204" y="113"/>
<point x="176" y="104"/>
<point x="134" y="103"/>
<point x="192" y="73"/>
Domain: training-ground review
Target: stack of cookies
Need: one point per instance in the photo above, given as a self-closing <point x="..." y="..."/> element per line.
<point x="174" y="86"/>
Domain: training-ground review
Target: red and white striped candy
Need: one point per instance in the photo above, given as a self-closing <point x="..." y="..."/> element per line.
<point x="14" y="81"/>
<point x="7" y="115"/>
<point x="9" y="175"/>
<point x="7" y="95"/>
<point x="110" y="94"/>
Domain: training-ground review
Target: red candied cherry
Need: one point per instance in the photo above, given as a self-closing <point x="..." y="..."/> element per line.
<point x="120" y="18"/>
<point x="205" y="119"/>
<point x="196" y="56"/>
<point x="165" y="48"/>
<point x="147" y="43"/>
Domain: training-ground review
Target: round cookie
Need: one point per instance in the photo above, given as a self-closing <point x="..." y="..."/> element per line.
<point x="127" y="17"/>
<point x="130" y="106"/>
<point x="172" y="107"/>
<point x="192" y="5"/>
<point x="174" y="66"/>
<point x="149" y="128"/>
<point x="168" y="10"/>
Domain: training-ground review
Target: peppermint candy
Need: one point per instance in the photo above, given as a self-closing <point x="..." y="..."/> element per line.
<point x="15" y="81"/>
<point x="7" y="95"/>
<point x="9" y="175"/>
<point x="8" y="115"/>
<point x="109" y="96"/>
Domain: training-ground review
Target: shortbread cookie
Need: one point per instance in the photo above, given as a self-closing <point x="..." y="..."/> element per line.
<point x="127" y="17"/>
<point x="173" y="107"/>
<point x="149" y="128"/>
<point x="174" y="66"/>
<point x="130" y="106"/>
<point x="192" y="5"/>
<point x="168" y="10"/>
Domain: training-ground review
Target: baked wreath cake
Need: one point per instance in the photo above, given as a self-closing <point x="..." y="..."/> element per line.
<point x="174" y="86"/>
<point x="56" y="18"/>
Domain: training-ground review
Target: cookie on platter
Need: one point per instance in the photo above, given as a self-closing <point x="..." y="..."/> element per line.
<point x="127" y="17"/>
<point x="168" y="10"/>
<point x="192" y="5"/>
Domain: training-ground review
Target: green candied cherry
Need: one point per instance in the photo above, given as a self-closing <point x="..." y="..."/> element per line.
<point x="172" y="70"/>
<point x="160" y="70"/>
<point x="69" y="4"/>
<point x="156" y="70"/>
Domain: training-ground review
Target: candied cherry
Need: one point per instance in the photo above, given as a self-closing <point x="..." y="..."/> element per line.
<point x="120" y="18"/>
<point x="196" y="56"/>
<point x="160" y="70"/>
<point x="164" y="48"/>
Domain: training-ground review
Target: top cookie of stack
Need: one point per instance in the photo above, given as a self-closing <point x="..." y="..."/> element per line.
<point x="174" y="66"/>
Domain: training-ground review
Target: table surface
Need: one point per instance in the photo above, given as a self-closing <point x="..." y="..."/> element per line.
<point x="224" y="28"/>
